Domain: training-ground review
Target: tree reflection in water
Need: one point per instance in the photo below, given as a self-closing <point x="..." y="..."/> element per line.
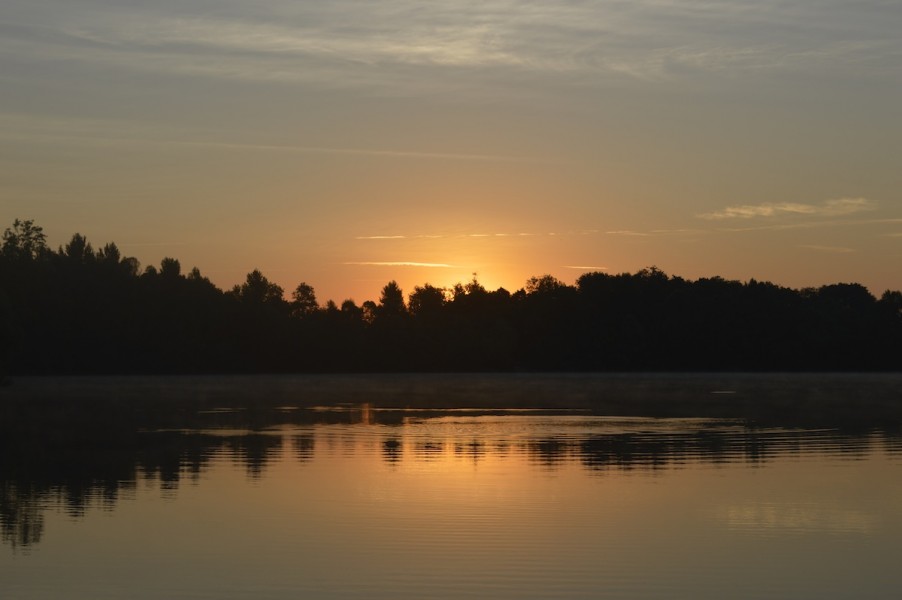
<point x="81" y="455"/>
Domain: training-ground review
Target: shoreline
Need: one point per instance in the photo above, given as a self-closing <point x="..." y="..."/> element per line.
<point x="836" y="398"/>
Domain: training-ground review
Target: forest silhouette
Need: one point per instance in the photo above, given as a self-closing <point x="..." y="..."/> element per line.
<point x="77" y="310"/>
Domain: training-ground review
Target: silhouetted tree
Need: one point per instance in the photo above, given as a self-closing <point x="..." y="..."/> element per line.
<point x="479" y="328"/>
<point x="24" y="240"/>
<point x="351" y="311"/>
<point x="426" y="301"/>
<point x="303" y="301"/>
<point x="257" y="289"/>
<point x="390" y="330"/>
<point x="78" y="250"/>
<point x="549" y="329"/>
<point x="109" y="254"/>
<point x="170" y="268"/>
<point x="391" y="301"/>
<point x="369" y="309"/>
<point x="892" y="302"/>
<point x="546" y="284"/>
<point x="80" y="311"/>
<point x="195" y="275"/>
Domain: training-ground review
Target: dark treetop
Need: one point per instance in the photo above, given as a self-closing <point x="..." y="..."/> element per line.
<point x="78" y="310"/>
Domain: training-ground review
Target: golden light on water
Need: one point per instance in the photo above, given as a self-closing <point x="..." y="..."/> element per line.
<point x="294" y="487"/>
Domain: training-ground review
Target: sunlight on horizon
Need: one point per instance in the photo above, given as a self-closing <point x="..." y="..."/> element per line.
<point x="732" y="139"/>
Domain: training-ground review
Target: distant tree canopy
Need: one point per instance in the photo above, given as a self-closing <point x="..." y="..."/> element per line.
<point x="23" y="241"/>
<point x="304" y="300"/>
<point x="77" y="310"/>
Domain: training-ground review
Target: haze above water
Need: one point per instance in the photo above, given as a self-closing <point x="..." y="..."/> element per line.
<point x="202" y="487"/>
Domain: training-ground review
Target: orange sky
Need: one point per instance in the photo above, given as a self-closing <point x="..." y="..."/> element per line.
<point x="342" y="145"/>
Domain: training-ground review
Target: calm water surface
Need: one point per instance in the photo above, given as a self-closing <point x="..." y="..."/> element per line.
<point x="360" y="501"/>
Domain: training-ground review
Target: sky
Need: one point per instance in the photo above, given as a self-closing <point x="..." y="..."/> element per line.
<point x="348" y="143"/>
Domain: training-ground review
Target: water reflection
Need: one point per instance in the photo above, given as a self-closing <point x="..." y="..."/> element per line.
<point x="392" y="450"/>
<point x="90" y="444"/>
<point x="304" y="445"/>
<point x="55" y="459"/>
<point x="767" y="518"/>
<point x="254" y="451"/>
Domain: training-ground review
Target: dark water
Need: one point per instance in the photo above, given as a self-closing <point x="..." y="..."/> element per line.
<point x="450" y="487"/>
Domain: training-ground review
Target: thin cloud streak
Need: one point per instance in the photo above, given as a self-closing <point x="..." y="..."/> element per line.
<point x="483" y="235"/>
<point x="676" y="231"/>
<point x="813" y="225"/>
<point x="653" y="232"/>
<point x="830" y="249"/>
<point x="373" y="152"/>
<point x="54" y="130"/>
<point x="585" y="268"/>
<point x="150" y="244"/>
<point x="399" y="264"/>
<point x="627" y="232"/>
<point x="830" y="208"/>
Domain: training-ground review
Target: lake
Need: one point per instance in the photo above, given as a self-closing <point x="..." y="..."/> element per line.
<point x="452" y="486"/>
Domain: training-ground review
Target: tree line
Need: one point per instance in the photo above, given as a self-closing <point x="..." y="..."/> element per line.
<point x="80" y="310"/>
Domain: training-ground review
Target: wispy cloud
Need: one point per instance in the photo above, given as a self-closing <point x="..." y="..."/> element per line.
<point x="149" y="244"/>
<point x="676" y="231"/>
<point x="371" y="152"/>
<point x="832" y="223"/>
<point x="400" y="263"/>
<point x="304" y="41"/>
<point x="585" y="268"/>
<point x="52" y="129"/>
<point x="479" y="235"/>
<point x="829" y="249"/>
<point x="654" y="232"/>
<point x="628" y="232"/>
<point x="830" y="208"/>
